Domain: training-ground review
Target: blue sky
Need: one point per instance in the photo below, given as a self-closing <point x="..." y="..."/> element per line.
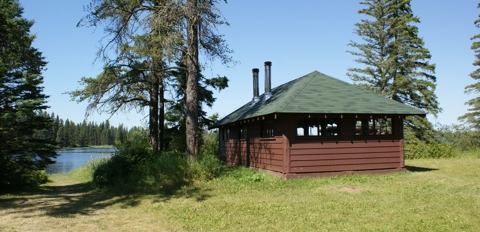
<point x="297" y="36"/>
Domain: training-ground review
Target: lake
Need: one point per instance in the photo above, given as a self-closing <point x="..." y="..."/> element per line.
<point x="70" y="159"/>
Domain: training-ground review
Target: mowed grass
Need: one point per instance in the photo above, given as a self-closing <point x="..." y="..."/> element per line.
<point x="434" y="195"/>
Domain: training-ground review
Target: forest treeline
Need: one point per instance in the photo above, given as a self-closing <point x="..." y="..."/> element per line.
<point x="70" y="134"/>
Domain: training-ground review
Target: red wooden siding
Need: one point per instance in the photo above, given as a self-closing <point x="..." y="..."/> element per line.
<point x="263" y="153"/>
<point x="296" y="156"/>
<point x="338" y="156"/>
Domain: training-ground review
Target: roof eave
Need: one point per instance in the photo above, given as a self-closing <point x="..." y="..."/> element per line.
<point x="219" y="123"/>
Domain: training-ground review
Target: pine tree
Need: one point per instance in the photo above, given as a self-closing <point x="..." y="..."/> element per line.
<point x="202" y="19"/>
<point x="396" y="63"/>
<point x="21" y="97"/>
<point x="473" y="116"/>
<point x="176" y="114"/>
<point x="149" y="36"/>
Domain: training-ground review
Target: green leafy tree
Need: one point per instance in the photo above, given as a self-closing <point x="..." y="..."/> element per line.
<point x="21" y="99"/>
<point x="395" y="63"/>
<point x="473" y="116"/>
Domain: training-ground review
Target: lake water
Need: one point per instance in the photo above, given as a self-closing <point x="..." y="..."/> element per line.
<point x="68" y="160"/>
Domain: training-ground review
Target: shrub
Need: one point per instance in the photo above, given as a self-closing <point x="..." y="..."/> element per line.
<point x="164" y="173"/>
<point x="85" y="172"/>
<point x="14" y="177"/>
<point x="134" y="167"/>
<point x="459" y="136"/>
<point x="171" y="170"/>
<point x="206" y="167"/>
<point x="431" y="150"/>
<point x="117" y="169"/>
<point x="210" y="144"/>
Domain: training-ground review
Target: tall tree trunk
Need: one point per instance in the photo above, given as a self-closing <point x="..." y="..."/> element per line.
<point x="161" y="120"/>
<point x="192" y="80"/>
<point x="153" y="114"/>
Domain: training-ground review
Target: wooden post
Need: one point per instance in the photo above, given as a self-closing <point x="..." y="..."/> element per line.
<point x="402" y="155"/>
<point x="286" y="155"/>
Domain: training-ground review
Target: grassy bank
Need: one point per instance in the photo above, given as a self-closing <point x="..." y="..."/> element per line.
<point x="434" y="195"/>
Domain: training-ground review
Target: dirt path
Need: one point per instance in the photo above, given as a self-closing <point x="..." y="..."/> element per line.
<point x="68" y="205"/>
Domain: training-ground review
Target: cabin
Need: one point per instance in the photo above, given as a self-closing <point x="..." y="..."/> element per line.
<point x="315" y="125"/>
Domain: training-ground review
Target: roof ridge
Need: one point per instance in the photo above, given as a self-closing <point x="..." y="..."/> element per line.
<point x="306" y="84"/>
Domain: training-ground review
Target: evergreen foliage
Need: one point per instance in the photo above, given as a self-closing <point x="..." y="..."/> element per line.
<point x="150" y="38"/>
<point x="70" y="134"/>
<point x="395" y="61"/>
<point x="175" y="115"/>
<point x="21" y="98"/>
<point x="122" y="87"/>
<point x="473" y="116"/>
<point x="145" y="41"/>
<point x="202" y="19"/>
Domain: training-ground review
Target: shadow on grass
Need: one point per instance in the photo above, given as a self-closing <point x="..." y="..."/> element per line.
<point x="82" y="199"/>
<point x="72" y="199"/>
<point x="419" y="169"/>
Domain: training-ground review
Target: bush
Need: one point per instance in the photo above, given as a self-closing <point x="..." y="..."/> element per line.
<point x="85" y="172"/>
<point x="134" y="167"/>
<point x="117" y="169"/>
<point x="206" y="167"/>
<point x="14" y="177"/>
<point x="431" y="150"/>
<point x="210" y="144"/>
<point x="459" y="136"/>
<point x="171" y="170"/>
<point x="165" y="172"/>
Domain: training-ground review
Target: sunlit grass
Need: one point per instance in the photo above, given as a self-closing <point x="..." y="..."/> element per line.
<point x="85" y="172"/>
<point x="434" y="195"/>
<point x="445" y="198"/>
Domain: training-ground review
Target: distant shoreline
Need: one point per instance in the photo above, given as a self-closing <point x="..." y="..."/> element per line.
<point x="100" y="146"/>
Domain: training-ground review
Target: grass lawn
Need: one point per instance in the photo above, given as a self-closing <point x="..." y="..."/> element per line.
<point x="434" y="195"/>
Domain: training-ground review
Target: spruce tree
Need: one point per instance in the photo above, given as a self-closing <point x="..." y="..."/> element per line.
<point x="21" y="99"/>
<point x="473" y="116"/>
<point x="395" y="61"/>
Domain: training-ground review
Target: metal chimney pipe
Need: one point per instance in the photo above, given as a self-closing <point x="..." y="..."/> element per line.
<point x="268" y="89"/>
<point x="256" y="97"/>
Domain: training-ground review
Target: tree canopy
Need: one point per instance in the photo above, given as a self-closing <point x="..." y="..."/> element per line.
<point x="21" y="97"/>
<point x="149" y="38"/>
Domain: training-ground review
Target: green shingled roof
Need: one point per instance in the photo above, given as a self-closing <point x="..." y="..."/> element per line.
<point x="319" y="93"/>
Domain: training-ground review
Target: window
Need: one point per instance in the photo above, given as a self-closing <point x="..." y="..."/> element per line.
<point x="383" y="126"/>
<point x="364" y="127"/>
<point x="268" y="128"/>
<point x="331" y="127"/>
<point x="226" y="134"/>
<point x="373" y="126"/>
<point x="317" y="127"/>
<point x="242" y="132"/>
<point x="300" y="130"/>
<point x="313" y="128"/>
